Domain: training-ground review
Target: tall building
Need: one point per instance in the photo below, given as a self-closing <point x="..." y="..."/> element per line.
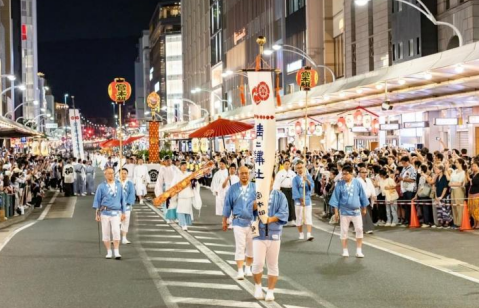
<point x="197" y="53"/>
<point x="166" y="67"/>
<point x="142" y="75"/>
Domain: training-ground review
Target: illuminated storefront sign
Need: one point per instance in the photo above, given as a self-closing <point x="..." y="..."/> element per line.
<point x="445" y="121"/>
<point x="415" y="124"/>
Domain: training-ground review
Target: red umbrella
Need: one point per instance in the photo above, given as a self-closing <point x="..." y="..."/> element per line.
<point x="110" y="143"/>
<point x="221" y="127"/>
<point x="132" y="139"/>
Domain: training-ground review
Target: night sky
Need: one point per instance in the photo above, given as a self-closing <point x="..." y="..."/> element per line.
<point x="84" y="44"/>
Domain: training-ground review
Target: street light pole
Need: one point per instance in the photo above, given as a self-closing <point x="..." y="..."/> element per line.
<point x="422" y="8"/>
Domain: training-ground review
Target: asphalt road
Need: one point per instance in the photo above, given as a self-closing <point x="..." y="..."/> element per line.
<point x="56" y="263"/>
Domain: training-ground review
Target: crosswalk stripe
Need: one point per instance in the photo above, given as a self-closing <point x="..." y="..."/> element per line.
<point x="228" y="253"/>
<point x="160" y="235"/>
<point x="189" y="271"/>
<point x="219" y="245"/>
<point x="164" y="242"/>
<point x="288" y="292"/>
<point x="151" y="220"/>
<point x="198" y="227"/>
<point x="155" y="230"/>
<point x="214" y="302"/>
<point x="187" y="260"/>
<point x="231" y="262"/>
<point x="172" y="250"/>
<point x="156" y="225"/>
<point x="203" y="285"/>
<point x="208" y="238"/>
<point x="198" y="232"/>
<point x="291" y="306"/>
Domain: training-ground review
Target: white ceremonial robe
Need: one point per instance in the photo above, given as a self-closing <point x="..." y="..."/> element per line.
<point x="131" y="170"/>
<point x="165" y="179"/>
<point x="218" y="190"/>
<point x="141" y="178"/>
<point x="185" y="198"/>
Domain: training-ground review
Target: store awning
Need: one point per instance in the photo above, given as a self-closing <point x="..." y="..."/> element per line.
<point x="12" y="129"/>
<point x="440" y="81"/>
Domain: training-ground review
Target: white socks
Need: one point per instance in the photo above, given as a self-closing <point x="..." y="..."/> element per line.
<point x="108" y="254"/>
<point x="359" y="251"/>
<point x="247" y="271"/>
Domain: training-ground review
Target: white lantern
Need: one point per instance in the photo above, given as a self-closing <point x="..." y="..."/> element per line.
<point x="349" y="121"/>
<point x="367" y="121"/>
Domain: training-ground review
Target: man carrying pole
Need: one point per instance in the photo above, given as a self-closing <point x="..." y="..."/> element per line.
<point x="303" y="185"/>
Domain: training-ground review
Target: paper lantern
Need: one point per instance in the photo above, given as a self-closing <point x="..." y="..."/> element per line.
<point x="119" y="90"/>
<point x="367" y="121"/>
<point x="307" y="78"/>
<point x="358" y="117"/>
<point x="318" y="130"/>
<point x="341" y="124"/>
<point x="312" y="127"/>
<point x="349" y="121"/>
<point x="375" y="126"/>
<point x="204" y="144"/>
<point x="291" y="131"/>
<point x="297" y="128"/>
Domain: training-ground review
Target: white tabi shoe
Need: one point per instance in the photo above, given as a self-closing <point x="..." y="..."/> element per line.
<point x="125" y="241"/>
<point x="117" y="255"/>
<point x="141" y="201"/>
<point x="310" y="237"/>
<point x="240" y="275"/>
<point x="185" y="228"/>
<point x="269" y="296"/>
<point x="345" y="253"/>
<point x="230" y="227"/>
<point x="248" y="272"/>
<point x="301" y="236"/>
<point x="258" y="292"/>
<point x="359" y="254"/>
<point x="109" y="255"/>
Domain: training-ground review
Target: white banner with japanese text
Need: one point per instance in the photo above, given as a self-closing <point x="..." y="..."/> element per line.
<point x="76" y="131"/>
<point x="264" y="145"/>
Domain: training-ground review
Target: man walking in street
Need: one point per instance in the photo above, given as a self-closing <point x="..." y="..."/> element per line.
<point x="90" y="178"/>
<point x="303" y="185"/>
<point x="129" y="196"/>
<point x="110" y="209"/>
<point x="68" y="178"/>
<point x="349" y="199"/>
<point x="163" y="183"/>
<point x="229" y="181"/>
<point x="240" y="201"/>
<point x="141" y="178"/>
<point x="79" y="178"/>
<point x="217" y="186"/>
<point x="284" y="182"/>
<point x="408" y="187"/>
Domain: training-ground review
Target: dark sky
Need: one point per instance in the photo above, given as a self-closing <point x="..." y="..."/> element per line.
<point x="84" y="44"/>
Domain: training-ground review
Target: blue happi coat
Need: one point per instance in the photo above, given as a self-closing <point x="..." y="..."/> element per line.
<point x="277" y="207"/>
<point x="350" y="199"/>
<point x="240" y="204"/>
<point x="129" y="194"/>
<point x="298" y="189"/>
<point x="113" y="200"/>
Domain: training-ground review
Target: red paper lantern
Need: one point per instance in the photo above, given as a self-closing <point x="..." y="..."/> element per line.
<point x="307" y="78"/>
<point x="297" y="128"/>
<point x="312" y="127"/>
<point x="119" y="90"/>
<point x="375" y="126"/>
<point x="341" y="124"/>
<point x="358" y="117"/>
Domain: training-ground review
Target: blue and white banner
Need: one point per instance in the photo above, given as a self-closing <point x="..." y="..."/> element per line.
<point x="264" y="146"/>
<point x="76" y="131"/>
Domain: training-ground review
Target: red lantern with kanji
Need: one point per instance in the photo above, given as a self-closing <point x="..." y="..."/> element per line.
<point x="375" y="126"/>
<point x="297" y="128"/>
<point x="341" y="124"/>
<point x="307" y="78"/>
<point x="358" y="117"/>
<point x="312" y="127"/>
<point x="119" y="90"/>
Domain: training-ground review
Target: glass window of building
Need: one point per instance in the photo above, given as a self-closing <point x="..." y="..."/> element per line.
<point x="411" y="47"/>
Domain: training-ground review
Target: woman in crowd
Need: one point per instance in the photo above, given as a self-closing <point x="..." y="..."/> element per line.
<point x="444" y="212"/>
<point x="388" y="190"/>
<point x="423" y="195"/>
<point x="474" y="193"/>
<point x="457" y="182"/>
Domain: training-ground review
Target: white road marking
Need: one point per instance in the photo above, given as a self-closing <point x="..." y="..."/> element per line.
<point x="164" y="242"/>
<point x="171" y="250"/>
<point x="189" y="271"/>
<point x="156" y="225"/>
<point x="160" y="235"/>
<point x="14" y="233"/>
<point x="47" y="209"/>
<point x="291" y="306"/>
<point x="198" y="232"/>
<point x="288" y="292"/>
<point x="219" y="245"/>
<point x="155" y="230"/>
<point x="209" y="238"/>
<point x="203" y="285"/>
<point x="215" y="302"/>
<point x="228" y="253"/>
<point x="198" y="227"/>
<point x="185" y="260"/>
<point x="150" y="220"/>
<point x="224" y="266"/>
<point x="438" y="262"/>
<point x="231" y="262"/>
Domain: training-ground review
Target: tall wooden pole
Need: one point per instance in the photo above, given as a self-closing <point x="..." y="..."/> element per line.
<point x="120" y="136"/>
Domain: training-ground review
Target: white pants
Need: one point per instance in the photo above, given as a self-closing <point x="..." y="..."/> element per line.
<point x="112" y="222"/>
<point x="266" y="250"/>
<point x="244" y="242"/>
<point x="125" y="224"/>
<point x="358" y="226"/>
<point x="220" y="203"/>
<point x="308" y="211"/>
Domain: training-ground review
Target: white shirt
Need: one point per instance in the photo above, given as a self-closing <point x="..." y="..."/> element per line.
<point x="368" y="187"/>
<point x="457" y="177"/>
<point x="284" y="179"/>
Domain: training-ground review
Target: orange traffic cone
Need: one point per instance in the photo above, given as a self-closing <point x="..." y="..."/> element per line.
<point x="414" y="222"/>
<point x="466" y="222"/>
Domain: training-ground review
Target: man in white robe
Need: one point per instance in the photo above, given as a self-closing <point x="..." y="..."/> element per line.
<point x="164" y="182"/>
<point x="217" y="187"/>
<point x="141" y="179"/>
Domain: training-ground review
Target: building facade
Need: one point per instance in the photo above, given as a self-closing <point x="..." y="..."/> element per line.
<point x="166" y="68"/>
<point x="142" y="75"/>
